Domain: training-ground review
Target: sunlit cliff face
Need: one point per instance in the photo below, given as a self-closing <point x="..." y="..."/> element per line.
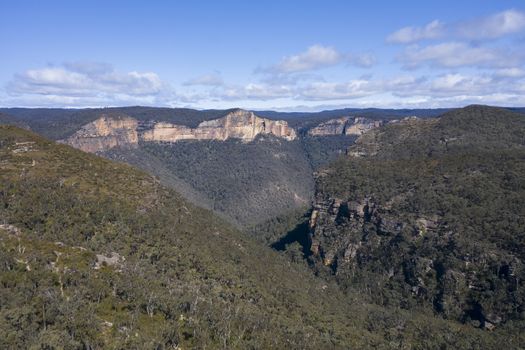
<point x="122" y="131"/>
<point x="345" y="126"/>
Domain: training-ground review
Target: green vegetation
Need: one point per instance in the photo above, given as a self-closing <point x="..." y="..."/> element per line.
<point x="441" y="224"/>
<point x="246" y="182"/>
<point x="186" y="277"/>
<point x="273" y="230"/>
<point x="95" y="254"/>
<point x="322" y="150"/>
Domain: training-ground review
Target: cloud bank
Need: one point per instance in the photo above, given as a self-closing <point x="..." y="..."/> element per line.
<point x="317" y="57"/>
<point x="406" y="35"/>
<point x="494" y="26"/>
<point x="489" y="27"/>
<point x="86" y="83"/>
<point x="437" y="65"/>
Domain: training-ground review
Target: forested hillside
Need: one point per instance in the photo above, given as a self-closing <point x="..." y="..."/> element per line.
<point x="246" y="182"/>
<point x="429" y="213"/>
<point x="95" y="254"/>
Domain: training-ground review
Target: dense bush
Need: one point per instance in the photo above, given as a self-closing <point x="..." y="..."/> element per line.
<point x="247" y="182"/>
<point x="185" y="278"/>
<point x="443" y="225"/>
<point x="182" y="277"/>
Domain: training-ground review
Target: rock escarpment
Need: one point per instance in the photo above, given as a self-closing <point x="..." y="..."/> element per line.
<point x="239" y="124"/>
<point x="414" y="260"/>
<point x="345" y="126"/>
<point x="343" y="232"/>
<point x="105" y="133"/>
<point x="110" y="131"/>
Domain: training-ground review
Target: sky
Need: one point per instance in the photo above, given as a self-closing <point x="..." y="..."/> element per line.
<point x="295" y="55"/>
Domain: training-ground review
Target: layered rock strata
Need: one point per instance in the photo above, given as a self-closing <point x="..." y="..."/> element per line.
<point x="123" y="131"/>
<point x="345" y="126"/>
<point x="105" y="133"/>
<point x="239" y="124"/>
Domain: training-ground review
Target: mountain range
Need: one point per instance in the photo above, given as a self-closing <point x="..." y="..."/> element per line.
<point x="246" y="167"/>
<point x="238" y="229"/>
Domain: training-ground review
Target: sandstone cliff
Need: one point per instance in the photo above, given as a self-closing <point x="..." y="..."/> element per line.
<point x="105" y="133"/>
<point x="123" y="131"/>
<point x="239" y="124"/>
<point x="345" y="126"/>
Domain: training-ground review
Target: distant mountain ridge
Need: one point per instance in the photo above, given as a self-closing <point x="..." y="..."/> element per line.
<point x="247" y="168"/>
<point x="60" y="123"/>
<point x="121" y="130"/>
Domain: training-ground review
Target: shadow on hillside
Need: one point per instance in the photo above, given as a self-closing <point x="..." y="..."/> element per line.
<point x="300" y="235"/>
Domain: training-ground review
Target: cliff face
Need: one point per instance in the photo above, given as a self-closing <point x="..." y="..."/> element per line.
<point x="239" y="124"/>
<point x="345" y="126"/>
<point x="105" y="133"/>
<point x="419" y="217"/>
<point x="417" y="258"/>
<point x="122" y="131"/>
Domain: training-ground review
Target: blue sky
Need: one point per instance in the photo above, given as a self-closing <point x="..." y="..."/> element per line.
<point x="287" y="55"/>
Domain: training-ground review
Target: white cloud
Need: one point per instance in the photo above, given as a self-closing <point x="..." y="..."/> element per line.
<point x="206" y="80"/>
<point x="432" y="30"/>
<point x="510" y="73"/>
<point x="312" y="91"/>
<point x="87" y="84"/>
<point x="500" y="86"/>
<point x="318" y="57"/>
<point x="315" y="57"/>
<point x="455" y="85"/>
<point x="490" y="27"/>
<point x="494" y="26"/>
<point x="336" y="91"/>
<point x="255" y="91"/>
<point x="457" y="54"/>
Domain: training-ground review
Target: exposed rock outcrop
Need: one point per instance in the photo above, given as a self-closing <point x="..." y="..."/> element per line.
<point x="122" y="131"/>
<point x="334" y="249"/>
<point x="114" y="259"/>
<point x="105" y="133"/>
<point x="238" y="124"/>
<point x="408" y="218"/>
<point x="364" y="238"/>
<point x="345" y="126"/>
<point x="11" y="229"/>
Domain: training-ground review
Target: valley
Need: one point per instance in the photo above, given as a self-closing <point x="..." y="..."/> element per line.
<point x="370" y="231"/>
<point x="246" y="168"/>
<point x="262" y="175"/>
